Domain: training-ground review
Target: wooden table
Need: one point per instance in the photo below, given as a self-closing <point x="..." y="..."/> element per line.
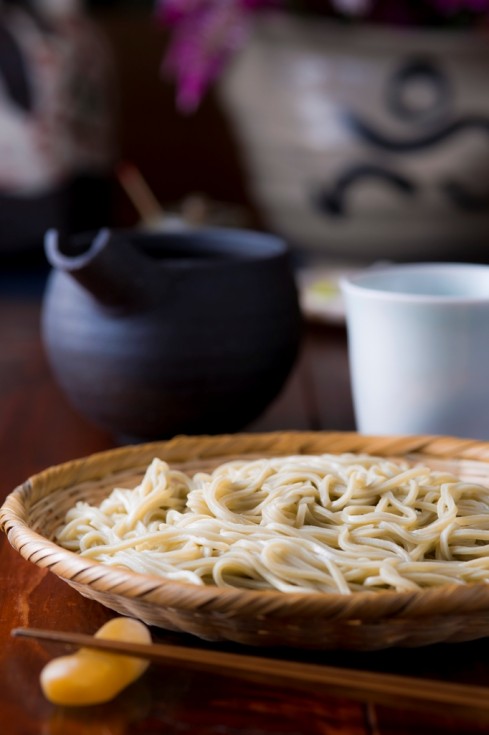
<point x="38" y="429"/>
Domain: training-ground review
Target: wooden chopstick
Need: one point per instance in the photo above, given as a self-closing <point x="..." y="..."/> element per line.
<point x="136" y="187"/>
<point x="364" y="686"/>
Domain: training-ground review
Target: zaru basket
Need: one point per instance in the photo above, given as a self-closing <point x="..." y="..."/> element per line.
<point x="361" y="621"/>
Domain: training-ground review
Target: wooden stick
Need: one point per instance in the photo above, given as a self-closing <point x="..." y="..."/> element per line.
<point x="140" y="194"/>
<point x="353" y="684"/>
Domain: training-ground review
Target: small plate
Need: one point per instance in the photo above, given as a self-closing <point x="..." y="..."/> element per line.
<point x="319" y="292"/>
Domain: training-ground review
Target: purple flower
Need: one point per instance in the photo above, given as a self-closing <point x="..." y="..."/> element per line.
<point x="205" y="34"/>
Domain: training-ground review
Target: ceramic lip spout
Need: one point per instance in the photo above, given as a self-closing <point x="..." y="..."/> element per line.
<point x="108" y="266"/>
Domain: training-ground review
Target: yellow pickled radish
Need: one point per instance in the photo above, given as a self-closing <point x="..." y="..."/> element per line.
<point x="93" y="677"/>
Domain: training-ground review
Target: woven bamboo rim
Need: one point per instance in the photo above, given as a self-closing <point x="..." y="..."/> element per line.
<point x="363" y="621"/>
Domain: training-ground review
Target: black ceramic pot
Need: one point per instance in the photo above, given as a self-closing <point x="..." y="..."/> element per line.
<point x="155" y="334"/>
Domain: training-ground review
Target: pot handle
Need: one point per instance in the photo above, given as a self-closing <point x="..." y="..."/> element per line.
<point x="109" y="267"/>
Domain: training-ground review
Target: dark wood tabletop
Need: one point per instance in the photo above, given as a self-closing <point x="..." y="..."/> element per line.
<point x="39" y="429"/>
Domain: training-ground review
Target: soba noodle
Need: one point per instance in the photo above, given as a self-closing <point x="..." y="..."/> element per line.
<point x="328" y="523"/>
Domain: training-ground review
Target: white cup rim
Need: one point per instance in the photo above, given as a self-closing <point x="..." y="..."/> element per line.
<point x="370" y="283"/>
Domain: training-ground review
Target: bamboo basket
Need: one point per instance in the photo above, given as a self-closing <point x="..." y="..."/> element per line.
<point x="361" y="621"/>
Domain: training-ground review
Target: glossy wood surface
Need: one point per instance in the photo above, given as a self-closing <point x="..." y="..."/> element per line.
<point x="38" y="429"/>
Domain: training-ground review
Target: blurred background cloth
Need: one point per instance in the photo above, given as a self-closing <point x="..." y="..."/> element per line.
<point x="57" y="104"/>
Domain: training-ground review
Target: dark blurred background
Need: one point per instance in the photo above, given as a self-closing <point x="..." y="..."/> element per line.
<point x="177" y="154"/>
<point x="56" y="98"/>
<point x="355" y="140"/>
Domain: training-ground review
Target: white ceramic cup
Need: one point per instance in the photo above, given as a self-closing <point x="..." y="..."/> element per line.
<point x="418" y="340"/>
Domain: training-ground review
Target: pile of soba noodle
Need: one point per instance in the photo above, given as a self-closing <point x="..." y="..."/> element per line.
<point x="328" y="523"/>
